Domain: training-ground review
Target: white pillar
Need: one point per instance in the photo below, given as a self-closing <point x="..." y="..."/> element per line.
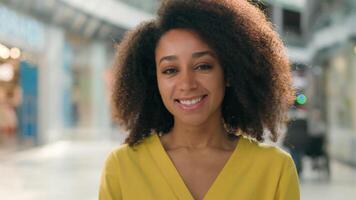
<point x="101" y="115"/>
<point x="51" y="78"/>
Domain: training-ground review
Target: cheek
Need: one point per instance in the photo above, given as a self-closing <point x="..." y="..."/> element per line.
<point x="219" y="91"/>
<point x="218" y="86"/>
<point x="164" y="90"/>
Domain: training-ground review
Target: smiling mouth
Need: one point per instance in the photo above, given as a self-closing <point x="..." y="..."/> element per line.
<point x="191" y="102"/>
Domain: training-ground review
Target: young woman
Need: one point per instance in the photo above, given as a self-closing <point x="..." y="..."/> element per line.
<point x="198" y="88"/>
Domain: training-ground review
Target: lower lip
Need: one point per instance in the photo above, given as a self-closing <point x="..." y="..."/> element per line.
<point x="192" y="107"/>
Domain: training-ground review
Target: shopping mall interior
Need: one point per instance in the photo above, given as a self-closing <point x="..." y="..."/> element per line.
<point x="56" y="124"/>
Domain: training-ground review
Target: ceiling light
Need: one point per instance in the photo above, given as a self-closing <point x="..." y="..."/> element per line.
<point x="4" y="52"/>
<point x="15" y="53"/>
<point x="6" y="72"/>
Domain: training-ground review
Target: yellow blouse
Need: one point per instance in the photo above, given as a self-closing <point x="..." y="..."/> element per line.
<point x="255" y="171"/>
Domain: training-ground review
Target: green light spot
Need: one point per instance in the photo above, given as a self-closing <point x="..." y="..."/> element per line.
<point x="301" y="99"/>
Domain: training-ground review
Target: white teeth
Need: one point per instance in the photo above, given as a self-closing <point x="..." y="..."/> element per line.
<point x="190" y="102"/>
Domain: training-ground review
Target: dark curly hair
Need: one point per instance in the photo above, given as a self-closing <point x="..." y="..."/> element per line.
<point x="251" y="53"/>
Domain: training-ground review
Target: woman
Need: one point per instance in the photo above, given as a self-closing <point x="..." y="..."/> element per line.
<point x="197" y="88"/>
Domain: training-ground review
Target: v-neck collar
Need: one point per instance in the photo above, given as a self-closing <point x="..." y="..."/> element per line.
<point x="174" y="179"/>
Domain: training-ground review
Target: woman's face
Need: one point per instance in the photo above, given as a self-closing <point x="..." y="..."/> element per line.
<point x="190" y="78"/>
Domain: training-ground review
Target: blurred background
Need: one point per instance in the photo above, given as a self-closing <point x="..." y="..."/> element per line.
<point x="56" y="127"/>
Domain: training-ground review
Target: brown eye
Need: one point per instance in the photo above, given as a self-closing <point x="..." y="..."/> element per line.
<point x="203" y="67"/>
<point x="169" y="71"/>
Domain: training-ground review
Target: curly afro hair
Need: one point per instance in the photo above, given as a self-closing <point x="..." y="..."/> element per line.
<point x="251" y="53"/>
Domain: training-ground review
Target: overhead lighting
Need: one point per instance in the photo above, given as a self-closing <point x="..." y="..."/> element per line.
<point x="6" y="72"/>
<point x="15" y="53"/>
<point x="4" y="52"/>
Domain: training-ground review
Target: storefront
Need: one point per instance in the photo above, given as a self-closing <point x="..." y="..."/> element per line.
<point x="55" y="87"/>
<point x="85" y="94"/>
<point x="334" y="89"/>
<point x="21" y="40"/>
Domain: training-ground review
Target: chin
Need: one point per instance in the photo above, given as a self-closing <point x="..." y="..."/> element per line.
<point x="192" y="120"/>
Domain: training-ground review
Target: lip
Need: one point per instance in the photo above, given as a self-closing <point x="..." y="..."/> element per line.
<point x="191" y="107"/>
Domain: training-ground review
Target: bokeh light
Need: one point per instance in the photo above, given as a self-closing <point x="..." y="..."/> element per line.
<point x="301" y="99"/>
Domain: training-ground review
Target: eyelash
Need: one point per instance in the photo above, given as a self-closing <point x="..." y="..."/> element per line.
<point x="203" y="67"/>
<point x="171" y="70"/>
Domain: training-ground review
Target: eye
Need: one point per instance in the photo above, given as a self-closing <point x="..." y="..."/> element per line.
<point x="169" y="70"/>
<point x="203" y="67"/>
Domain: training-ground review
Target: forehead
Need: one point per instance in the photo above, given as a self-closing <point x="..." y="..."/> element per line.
<point x="184" y="40"/>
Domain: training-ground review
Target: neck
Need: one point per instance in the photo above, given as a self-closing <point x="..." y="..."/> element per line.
<point x="210" y="134"/>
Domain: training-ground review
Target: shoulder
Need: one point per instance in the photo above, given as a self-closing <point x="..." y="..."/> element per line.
<point x="271" y="167"/>
<point x="125" y="154"/>
<point x="124" y="151"/>
<point x="266" y="152"/>
<point x="113" y="159"/>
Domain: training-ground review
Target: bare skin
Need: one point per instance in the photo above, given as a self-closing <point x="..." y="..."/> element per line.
<point x="199" y="165"/>
<point x="192" y="87"/>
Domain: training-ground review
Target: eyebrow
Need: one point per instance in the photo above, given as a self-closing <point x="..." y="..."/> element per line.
<point x="168" y="58"/>
<point x="203" y="53"/>
<point x="194" y="55"/>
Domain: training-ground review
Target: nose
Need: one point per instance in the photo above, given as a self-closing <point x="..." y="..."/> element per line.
<point x="187" y="81"/>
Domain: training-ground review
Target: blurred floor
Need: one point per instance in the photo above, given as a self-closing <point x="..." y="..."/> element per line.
<point x="341" y="186"/>
<point x="64" y="170"/>
<point x="71" y="170"/>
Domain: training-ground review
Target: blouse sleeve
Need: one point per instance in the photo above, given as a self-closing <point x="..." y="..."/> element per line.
<point x="110" y="185"/>
<point x="288" y="187"/>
